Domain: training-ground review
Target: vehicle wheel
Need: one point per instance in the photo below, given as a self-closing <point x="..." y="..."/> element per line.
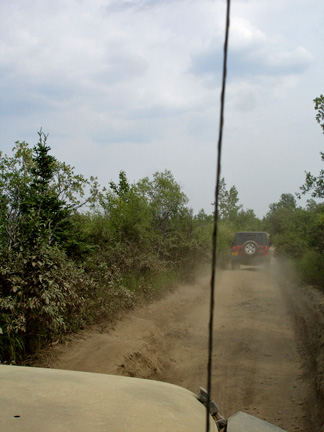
<point x="250" y="248"/>
<point x="235" y="265"/>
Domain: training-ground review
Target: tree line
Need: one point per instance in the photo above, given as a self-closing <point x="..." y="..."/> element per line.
<point x="72" y="253"/>
<point x="298" y="232"/>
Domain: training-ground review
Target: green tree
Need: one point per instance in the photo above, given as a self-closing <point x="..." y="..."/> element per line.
<point x="248" y="221"/>
<point x="127" y="212"/>
<point x="228" y="202"/>
<point x="289" y="226"/>
<point x="311" y="266"/>
<point x="319" y="107"/>
<point x="166" y="200"/>
<point x="315" y="184"/>
<point x="44" y="214"/>
<point x="38" y="196"/>
<point x="42" y="292"/>
<point x="15" y="178"/>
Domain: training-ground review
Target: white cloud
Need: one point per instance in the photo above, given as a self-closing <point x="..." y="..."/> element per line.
<point x="244" y="35"/>
<point x="134" y="85"/>
<point x="291" y="62"/>
<point x="251" y="54"/>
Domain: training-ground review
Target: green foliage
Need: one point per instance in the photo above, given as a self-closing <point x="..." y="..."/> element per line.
<point x="247" y="221"/>
<point x="225" y="239"/>
<point x="316" y="229"/>
<point x="228" y="202"/>
<point x="311" y="268"/>
<point x="43" y="214"/>
<point x="15" y="176"/>
<point x="126" y="211"/>
<point x="38" y="196"/>
<point x="319" y="107"/>
<point x="315" y="184"/>
<point x="232" y="218"/>
<point x="289" y="226"/>
<point x="42" y="292"/>
<point x="42" y="296"/>
<point x="202" y="233"/>
<point x="166" y="201"/>
<point x="298" y="233"/>
<point x="151" y="222"/>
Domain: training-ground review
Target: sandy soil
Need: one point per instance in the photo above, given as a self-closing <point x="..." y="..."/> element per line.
<point x="258" y="362"/>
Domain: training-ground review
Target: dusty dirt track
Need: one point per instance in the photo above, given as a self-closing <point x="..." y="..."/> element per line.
<point x="258" y="362"/>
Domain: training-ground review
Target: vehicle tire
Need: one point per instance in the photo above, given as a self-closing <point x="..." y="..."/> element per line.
<point x="235" y="265"/>
<point x="250" y="248"/>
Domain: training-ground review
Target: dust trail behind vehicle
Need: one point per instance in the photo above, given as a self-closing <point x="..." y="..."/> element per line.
<point x="257" y="365"/>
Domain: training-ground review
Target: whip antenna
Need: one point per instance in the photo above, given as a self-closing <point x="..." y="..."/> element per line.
<point x="215" y="230"/>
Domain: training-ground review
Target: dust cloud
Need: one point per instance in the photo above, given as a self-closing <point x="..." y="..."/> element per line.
<point x="259" y="360"/>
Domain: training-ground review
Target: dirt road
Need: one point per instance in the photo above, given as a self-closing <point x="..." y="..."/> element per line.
<point x="257" y="366"/>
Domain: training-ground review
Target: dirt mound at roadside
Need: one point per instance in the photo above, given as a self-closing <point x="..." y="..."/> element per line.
<point x="151" y="361"/>
<point x="141" y="365"/>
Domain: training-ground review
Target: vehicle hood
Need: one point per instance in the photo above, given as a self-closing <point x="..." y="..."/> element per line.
<point x="48" y="400"/>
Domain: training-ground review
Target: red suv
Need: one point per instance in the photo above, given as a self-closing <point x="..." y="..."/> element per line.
<point x="250" y="248"/>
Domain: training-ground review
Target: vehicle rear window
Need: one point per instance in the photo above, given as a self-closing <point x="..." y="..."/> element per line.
<point x="260" y="238"/>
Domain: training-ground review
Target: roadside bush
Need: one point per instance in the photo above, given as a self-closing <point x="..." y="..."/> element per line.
<point x="42" y="296"/>
<point x="290" y="244"/>
<point x="226" y="232"/>
<point x="111" y="295"/>
<point x="311" y="268"/>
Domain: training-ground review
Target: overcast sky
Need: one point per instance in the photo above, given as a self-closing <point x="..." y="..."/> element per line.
<point x="134" y="85"/>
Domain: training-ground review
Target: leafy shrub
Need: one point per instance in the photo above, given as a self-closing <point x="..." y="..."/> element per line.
<point x="311" y="268"/>
<point x="42" y="295"/>
<point x="225" y="238"/>
<point x="291" y="244"/>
